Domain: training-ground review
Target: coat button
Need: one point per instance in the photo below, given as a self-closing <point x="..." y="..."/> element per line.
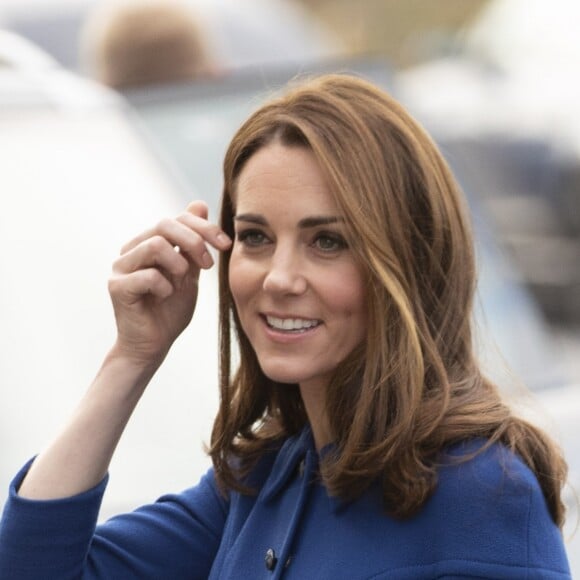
<point x="270" y="559"/>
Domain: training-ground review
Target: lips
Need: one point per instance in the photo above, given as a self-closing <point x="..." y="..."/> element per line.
<point x="291" y="324"/>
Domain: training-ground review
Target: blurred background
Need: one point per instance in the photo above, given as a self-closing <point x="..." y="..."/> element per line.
<point x="115" y="114"/>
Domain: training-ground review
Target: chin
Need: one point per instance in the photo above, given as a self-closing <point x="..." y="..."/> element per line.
<point x="282" y="376"/>
<point x="281" y="372"/>
<point x="286" y="373"/>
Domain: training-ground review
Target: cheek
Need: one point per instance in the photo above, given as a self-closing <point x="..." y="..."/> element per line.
<point x="240" y="280"/>
<point x="347" y="296"/>
<point x="356" y="312"/>
<point x="235" y="278"/>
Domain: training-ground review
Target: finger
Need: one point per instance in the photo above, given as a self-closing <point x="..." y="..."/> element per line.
<point x="155" y="252"/>
<point x="196" y="218"/>
<point x="159" y="248"/>
<point x="166" y="228"/>
<point x="216" y="236"/>
<point x="132" y="287"/>
<point x="190" y="234"/>
<point x="198" y="208"/>
<point x="138" y="239"/>
<point x="187" y="240"/>
<point x="210" y="232"/>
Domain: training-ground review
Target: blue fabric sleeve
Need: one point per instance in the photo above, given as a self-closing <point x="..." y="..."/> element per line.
<point x="176" y="537"/>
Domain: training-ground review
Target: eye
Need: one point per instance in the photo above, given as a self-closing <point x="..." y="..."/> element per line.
<point x="252" y="238"/>
<point x="329" y="242"/>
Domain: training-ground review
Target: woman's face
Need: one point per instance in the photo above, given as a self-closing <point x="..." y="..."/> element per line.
<point x="298" y="289"/>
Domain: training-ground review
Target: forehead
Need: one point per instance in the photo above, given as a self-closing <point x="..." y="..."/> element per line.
<point x="282" y="177"/>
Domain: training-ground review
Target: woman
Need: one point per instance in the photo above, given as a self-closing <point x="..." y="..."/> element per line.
<point x="358" y="437"/>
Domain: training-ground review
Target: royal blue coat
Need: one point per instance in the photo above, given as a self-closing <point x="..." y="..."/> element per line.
<point x="487" y="519"/>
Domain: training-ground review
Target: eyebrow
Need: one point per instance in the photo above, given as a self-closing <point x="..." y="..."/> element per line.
<point x="304" y="223"/>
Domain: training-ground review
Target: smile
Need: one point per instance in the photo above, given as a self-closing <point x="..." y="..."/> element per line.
<point x="291" y="324"/>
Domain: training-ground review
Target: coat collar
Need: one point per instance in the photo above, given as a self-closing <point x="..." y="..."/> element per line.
<point x="296" y="450"/>
<point x="293" y="451"/>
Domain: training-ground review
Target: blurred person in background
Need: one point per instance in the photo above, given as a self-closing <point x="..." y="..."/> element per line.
<point x="358" y="436"/>
<point x="134" y="43"/>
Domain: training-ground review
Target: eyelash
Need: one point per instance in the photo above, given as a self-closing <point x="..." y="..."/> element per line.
<point x="338" y="242"/>
<point x="245" y="235"/>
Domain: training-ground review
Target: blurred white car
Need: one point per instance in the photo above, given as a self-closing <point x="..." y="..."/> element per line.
<point x="77" y="182"/>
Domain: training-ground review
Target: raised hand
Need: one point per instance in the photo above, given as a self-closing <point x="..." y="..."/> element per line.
<point x="155" y="282"/>
<point x="154" y="290"/>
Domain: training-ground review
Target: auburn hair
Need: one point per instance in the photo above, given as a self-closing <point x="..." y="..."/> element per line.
<point x="414" y="386"/>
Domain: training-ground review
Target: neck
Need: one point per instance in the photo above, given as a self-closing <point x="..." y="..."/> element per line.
<point x="313" y="397"/>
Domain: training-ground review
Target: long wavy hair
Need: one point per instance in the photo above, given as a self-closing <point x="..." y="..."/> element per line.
<point x="414" y="386"/>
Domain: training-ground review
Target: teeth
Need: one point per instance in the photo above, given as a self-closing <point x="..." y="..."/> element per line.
<point x="290" y="323"/>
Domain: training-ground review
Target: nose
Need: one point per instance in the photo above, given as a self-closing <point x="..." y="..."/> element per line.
<point x="285" y="273"/>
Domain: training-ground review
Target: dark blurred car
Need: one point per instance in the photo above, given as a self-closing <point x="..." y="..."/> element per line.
<point x="505" y="103"/>
<point x="190" y="125"/>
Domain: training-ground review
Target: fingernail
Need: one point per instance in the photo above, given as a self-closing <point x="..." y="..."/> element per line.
<point x="206" y="260"/>
<point x="223" y="240"/>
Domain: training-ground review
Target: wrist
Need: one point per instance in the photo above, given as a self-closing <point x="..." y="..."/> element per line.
<point x="130" y="368"/>
<point x="140" y="360"/>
